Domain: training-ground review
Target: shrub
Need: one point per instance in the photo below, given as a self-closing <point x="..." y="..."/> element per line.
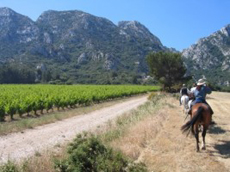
<point x="9" y="167"/>
<point x="89" y="154"/>
<point x="152" y="95"/>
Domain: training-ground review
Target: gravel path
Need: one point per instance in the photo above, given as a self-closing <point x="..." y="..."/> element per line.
<point x="17" y="146"/>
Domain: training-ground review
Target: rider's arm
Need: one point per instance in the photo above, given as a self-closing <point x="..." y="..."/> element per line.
<point x="208" y="90"/>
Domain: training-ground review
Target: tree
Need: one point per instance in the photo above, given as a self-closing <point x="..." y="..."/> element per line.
<point x="12" y="73"/>
<point x="166" y="67"/>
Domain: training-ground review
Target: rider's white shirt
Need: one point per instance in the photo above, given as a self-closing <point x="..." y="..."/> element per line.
<point x="193" y="89"/>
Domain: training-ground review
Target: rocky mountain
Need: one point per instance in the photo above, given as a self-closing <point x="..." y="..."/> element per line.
<point x="16" y="32"/>
<point x="210" y="57"/>
<point x="77" y="46"/>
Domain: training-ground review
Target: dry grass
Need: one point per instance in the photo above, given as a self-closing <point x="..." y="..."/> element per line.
<point x="42" y="161"/>
<point x="137" y="136"/>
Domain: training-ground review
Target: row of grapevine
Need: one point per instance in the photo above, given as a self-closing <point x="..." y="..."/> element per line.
<point x="21" y="99"/>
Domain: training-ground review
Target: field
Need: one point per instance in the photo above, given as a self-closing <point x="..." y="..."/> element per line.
<point x="25" y="99"/>
<point x="150" y="135"/>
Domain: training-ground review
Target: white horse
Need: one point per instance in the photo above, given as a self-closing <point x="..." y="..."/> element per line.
<point x="189" y="103"/>
<point x="184" y="102"/>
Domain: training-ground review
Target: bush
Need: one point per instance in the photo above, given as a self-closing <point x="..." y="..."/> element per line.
<point x="89" y="154"/>
<point x="9" y="167"/>
<point x="152" y="95"/>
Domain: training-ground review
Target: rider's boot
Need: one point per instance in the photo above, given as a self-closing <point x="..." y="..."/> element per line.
<point x="190" y="110"/>
<point x="211" y="111"/>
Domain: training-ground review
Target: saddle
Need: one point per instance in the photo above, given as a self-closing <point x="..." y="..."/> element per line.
<point x="209" y="107"/>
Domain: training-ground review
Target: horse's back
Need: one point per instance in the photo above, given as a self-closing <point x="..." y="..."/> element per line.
<point x="202" y="105"/>
<point x="205" y="112"/>
<point x="184" y="99"/>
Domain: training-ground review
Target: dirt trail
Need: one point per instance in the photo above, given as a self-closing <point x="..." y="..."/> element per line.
<point x="170" y="150"/>
<point x="23" y="145"/>
<point x="220" y="133"/>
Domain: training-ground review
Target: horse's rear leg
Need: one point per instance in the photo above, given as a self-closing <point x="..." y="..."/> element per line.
<point x="197" y="139"/>
<point x="203" y="135"/>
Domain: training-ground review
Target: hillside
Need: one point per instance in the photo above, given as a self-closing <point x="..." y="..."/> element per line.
<point x="210" y="57"/>
<point x="76" y="47"/>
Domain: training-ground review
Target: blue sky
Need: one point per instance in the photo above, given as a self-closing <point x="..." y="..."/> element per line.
<point x="177" y="23"/>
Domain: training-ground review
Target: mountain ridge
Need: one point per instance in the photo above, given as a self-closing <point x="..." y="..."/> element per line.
<point x="210" y="57"/>
<point x="78" y="46"/>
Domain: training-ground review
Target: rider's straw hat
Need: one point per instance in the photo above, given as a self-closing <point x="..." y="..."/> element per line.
<point x="201" y="82"/>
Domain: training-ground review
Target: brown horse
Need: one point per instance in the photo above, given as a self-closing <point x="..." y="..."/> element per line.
<point x="201" y="116"/>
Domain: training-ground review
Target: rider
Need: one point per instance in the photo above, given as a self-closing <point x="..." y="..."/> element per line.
<point x="192" y="90"/>
<point x="200" y="94"/>
<point x="183" y="91"/>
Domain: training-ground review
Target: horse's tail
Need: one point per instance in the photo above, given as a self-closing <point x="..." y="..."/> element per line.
<point x="190" y="124"/>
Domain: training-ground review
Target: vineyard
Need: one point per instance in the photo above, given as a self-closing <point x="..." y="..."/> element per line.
<point x="26" y="99"/>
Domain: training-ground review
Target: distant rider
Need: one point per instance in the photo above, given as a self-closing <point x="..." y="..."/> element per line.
<point x="183" y="91"/>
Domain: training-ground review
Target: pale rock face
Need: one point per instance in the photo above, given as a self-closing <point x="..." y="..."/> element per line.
<point x="137" y="29"/>
<point x="89" y="45"/>
<point x="55" y="30"/>
<point x="225" y="31"/>
<point x="62" y="47"/>
<point x="97" y="55"/>
<point x="110" y="62"/>
<point x="227" y="83"/>
<point x="82" y="58"/>
<point x="123" y="32"/>
<point x="47" y="38"/>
